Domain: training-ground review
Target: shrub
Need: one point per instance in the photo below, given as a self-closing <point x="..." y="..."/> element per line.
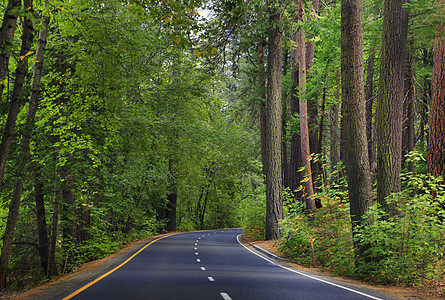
<point x="252" y="211"/>
<point x="328" y="228"/>
<point x="407" y="248"/>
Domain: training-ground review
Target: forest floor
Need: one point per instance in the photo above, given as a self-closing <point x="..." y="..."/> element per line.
<point x="396" y="292"/>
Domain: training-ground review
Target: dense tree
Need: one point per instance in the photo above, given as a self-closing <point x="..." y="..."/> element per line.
<point x="303" y="112"/>
<point x="274" y="211"/>
<point x="436" y="144"/>
<point x="153" y="117"/>
<point x="14" y="107"/>
<point x="8" y="28"/>
<point x="295" y="141"/>
<point x="356" y="160"/>
<point x="391" y="95"/>
<point x="17" y="93"/>
<point x="408" y="134"/>
<point x="369" y="96"/>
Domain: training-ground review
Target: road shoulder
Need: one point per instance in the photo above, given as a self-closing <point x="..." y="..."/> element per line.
<point x="81" y="276"/>
<point x="269" y="249"/>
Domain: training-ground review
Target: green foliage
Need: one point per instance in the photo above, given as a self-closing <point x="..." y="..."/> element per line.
<point x="144" y="99"/>
<point x="409" y="247"/>
<point x="405" y="249"/>
<point x="329" y="228"/>
<point x="252" y="208"/>
<point x="129" y="114"/>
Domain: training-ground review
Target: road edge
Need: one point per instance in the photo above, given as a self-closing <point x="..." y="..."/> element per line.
<point x="283" y="263"/>
<point x="87" y="272"/>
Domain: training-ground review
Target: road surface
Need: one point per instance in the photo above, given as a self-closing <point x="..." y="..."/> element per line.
<point x="208" y="265"/>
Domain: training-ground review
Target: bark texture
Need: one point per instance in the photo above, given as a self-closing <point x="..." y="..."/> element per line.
<point x="274" y="185"/>
<point x="295" y="152"/>
<point x="262" y="102"/>
<point x="14" y="106"/>
<point x="369" y="92"/>
<point x="9" y="26"/>
<point x="284" y="123"/>
<point x="408" y="113"/>
<point x="356" y="155"/>
<point x="304" y="119"/>
<point x="333" y="117"/>
<point x="391" y="95"/>
<point x="436" y="138"/>
<point x="6" y="144"/>
<point x="312" y="105"/>
<point x="42" y="232"/>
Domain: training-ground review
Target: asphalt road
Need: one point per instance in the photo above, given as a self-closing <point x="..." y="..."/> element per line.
<point x="208" y="265"/>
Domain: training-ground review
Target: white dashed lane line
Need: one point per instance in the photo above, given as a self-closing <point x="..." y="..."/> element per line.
<point x="225" y="296"/>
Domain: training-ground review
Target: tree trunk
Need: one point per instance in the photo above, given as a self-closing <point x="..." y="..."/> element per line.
<point x="391" y="95"/>
<point x="319" y="164"/>
<point x="52" y="266"/>
<point x="372" y="159"/>
<point x="203" y="210"/>
<point x="408" y="114"/>
<point x="82" y="221"/>
<point x="356" y="159"/>
<point x="342" y="134"/>
<point x="42" y="232"/>
<point x="274" y="197"/>
<point x="24" y="152"/>
<point x="436" y="145"/>
<point x="304" y="127"/>
<point x="172" y="196"/>
<point x="295" y="149"/>
<point x="262" y="106"/>
<point x="9" y="26"/>
<point x="284" y="123"/>
<point x="312" y="104"/>
<point x="68" y="218"/>
<point x="310" y="47"/>
<point x="369" y="92"/>
<point x="321" y="131"/>
<point x="14" y="105"/>
<point x="335" y="110"/>
<point x="334" y="134"/>
<point x="427" y="60"/>
<point x="34" y="100"/>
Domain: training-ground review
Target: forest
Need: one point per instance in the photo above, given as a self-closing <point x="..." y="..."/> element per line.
<point x="317" y="124"/>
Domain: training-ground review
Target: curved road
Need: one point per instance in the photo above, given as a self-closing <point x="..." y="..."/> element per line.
<point x="208" y="265"/>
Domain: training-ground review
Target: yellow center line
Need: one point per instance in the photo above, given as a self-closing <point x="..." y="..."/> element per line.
<point x="119" y="266"/>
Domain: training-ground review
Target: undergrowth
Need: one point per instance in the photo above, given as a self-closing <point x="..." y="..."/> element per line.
<point x="405" y="249"/>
